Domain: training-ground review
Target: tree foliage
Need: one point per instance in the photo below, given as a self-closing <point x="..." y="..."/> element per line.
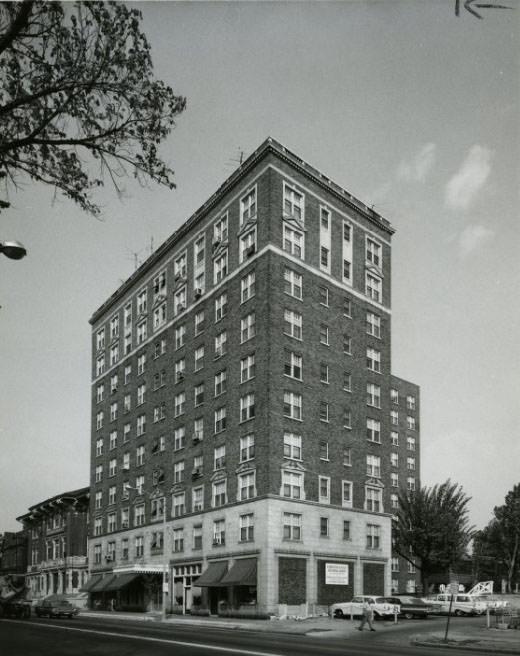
<point x="431" y="528"/>
<point x="77" y="81"/>
<point x="499" y="541"/>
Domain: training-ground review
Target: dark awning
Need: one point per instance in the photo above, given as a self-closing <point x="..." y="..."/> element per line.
<point x="121" y="580"/>
<point x="95" y="578"/>
<point x="102" y="584"/>
<point x="211" y="576"/>
<point x="243" y="572"/>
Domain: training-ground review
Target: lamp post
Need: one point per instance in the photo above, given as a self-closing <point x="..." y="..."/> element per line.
<point x="164" y="581"/>
<point x="13" y="249"/>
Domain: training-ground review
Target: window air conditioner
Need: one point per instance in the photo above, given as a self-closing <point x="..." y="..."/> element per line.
<point x="198" y="292"/>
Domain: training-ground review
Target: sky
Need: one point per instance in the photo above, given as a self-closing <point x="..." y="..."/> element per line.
<point x="407" y="106"/>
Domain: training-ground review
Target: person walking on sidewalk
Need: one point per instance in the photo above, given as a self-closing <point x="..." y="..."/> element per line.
<point x="367" y="615"/>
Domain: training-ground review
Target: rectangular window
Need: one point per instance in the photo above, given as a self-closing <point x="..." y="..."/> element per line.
<point x="100" y="339"/>
<point x="247" y="447"/>
<point x="324" y="527"/>
<point x="178" y="471"/>
<point x="324" y="450"/>
<point x="248" y="206"/>
<point x="219" y="457"/>
<point x="394" y="417"/>
<point x="373" y="360"/>
<point x="142" y="332"/>
<point x="247" y="407"/>
<point x="141" y="390"/>
<point x="346" y="529"/>
<point x="247" y="527"/>
<point x="179" y="404"/>
<point x="220" y="382"/>
<point x="347" y="457"/>
<point x="292" y="484"/>
<point x="324" y="411"/>
<point x="394" y="479"/>
<point x="292" y="364"/>
<point x="373" y="466"/>
<point x="139" y="515"/>
<point x="410" y="423"/>
<point x="292" y="324"/>
<point x="179" y="504"/>
<point x="220" y="268"/>
<point x="394" y="459"/>
<point x="246" y="486"/>
<point x="220" y="344"/>
<point x="179" y="266"/>
<point x="347" y="494"/>
<point x="373" y="252"/>
<point x="179" y="438"/>
<point x="394" y="396"/>
<point x="293" y="241"/>
<point x="373" y="324"/>
<point x="219" y="497"/>
<point x="141" y="425"/>
<point x="180" y="336"/>
<point x="293" y="203"/>
<point x="410" y="443"/>
<point x="373" y="395"/>
<point x="347" y="381"/>
<point x="410" y="402"/>
<point x="292" y="405"/>
<point x="347" y="418"/>
<point x="220" y="231"/>
<point x="373" y="430"/>
<point x="324" y="489"/>
<point x="373" y="499"/>
<point x="324" y="258"/>
<point x="247" y="368"/>
<point x="178" y="540"/>
<point x="324" y="334"/>
<point x="247" y="327"/>
<point x="142" y="299"/>
<point x="293" y="283"/>
<point x="220" y="306"/>
<point x="199" y="322"/>
<point x="323" y="294"/>
<point x="179" y="301"/>
<point x="292" y="526"/>
<point x="373" y="536"/>
<point x="247" y="245"/>
<point x="373" y="285"/>
<point x="159" y="316"/>
<point x="247" y="287"/>
<point x="324" y="372"/>
<point x="197" y="498"/>
<point x="410" y="463"/>
<point x="198" y="358"/>
<point x="347" y="344"/>
<point x="219" y="532"/>
<point x="220" y="420"/>
<point x="292" y="446"/>
<point x="198" y="394"/>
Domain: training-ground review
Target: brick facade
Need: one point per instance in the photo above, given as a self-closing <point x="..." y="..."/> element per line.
<point x="314" y="485"/>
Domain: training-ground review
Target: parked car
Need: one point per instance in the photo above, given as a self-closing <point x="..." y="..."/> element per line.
<point x="55" y="608"/>
<point x="411" y="606"/>
<point x="463" y="604"/>
<point x="381" y="606"/>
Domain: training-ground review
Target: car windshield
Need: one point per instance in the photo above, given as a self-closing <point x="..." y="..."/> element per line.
<point x="380" y="600"/>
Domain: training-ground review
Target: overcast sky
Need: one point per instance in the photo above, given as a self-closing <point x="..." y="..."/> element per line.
<point x="406" y="106"/>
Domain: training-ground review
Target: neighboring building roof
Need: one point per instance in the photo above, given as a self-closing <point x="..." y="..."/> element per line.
<point x="268" y="146"/>
<point x="53" y="502"/>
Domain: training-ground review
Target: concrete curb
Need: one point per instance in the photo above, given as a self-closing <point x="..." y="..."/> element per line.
<point x="468" y="644"/>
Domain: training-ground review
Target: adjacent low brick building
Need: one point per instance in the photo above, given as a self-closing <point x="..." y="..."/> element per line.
<point x="248" y="437"/>
<point x="56" y="531"/>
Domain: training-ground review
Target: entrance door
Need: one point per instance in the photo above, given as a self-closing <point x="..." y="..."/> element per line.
<point x="188" y="599"/>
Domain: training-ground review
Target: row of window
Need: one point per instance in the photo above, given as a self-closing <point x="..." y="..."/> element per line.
<point x="292" y="529"/>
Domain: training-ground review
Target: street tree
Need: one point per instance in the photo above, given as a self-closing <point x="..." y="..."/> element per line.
<point x="499" y="541"/>
<point x="431" y="528"/>
<point x="79" y="103"/>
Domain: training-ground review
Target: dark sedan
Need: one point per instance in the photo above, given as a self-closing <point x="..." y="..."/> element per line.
<point x="55" y="608"/>
<point x="411" y="606"/>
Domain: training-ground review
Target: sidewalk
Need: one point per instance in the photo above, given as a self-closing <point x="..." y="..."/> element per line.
<point x="487" y="641"/>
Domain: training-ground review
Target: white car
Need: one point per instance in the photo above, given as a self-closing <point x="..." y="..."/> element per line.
<point x="382" y="608"/>
<point x="463" y="604"/>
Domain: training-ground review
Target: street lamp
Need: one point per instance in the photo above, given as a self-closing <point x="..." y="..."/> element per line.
<point x="165" y="553"/>
<point x="13" y="249"/>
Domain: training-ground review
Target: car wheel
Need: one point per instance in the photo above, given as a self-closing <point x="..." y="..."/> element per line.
<point x="338" y="613"/>
<point x="408" y="616"/>
<point x="459" y="613"/>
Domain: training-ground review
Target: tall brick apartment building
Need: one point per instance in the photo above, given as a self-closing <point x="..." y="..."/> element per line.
<point x="242" y="384"/>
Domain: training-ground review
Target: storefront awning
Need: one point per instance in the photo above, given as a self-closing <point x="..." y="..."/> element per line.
<point x="212" y="576"/>
<point x="102" y="584"/>
<point x="243" y="572"/>
<point x="95" y="578"/>
<point x="121" y="580"/>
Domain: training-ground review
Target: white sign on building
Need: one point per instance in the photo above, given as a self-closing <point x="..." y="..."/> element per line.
<point x="336" y="574"/>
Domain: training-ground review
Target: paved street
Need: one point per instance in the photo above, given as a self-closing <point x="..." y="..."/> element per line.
<point x="100" y="636"/>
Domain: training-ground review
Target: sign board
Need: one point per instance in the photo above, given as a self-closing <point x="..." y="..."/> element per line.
<point x="453" y="588"/>
<point x="336" y="574"/>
